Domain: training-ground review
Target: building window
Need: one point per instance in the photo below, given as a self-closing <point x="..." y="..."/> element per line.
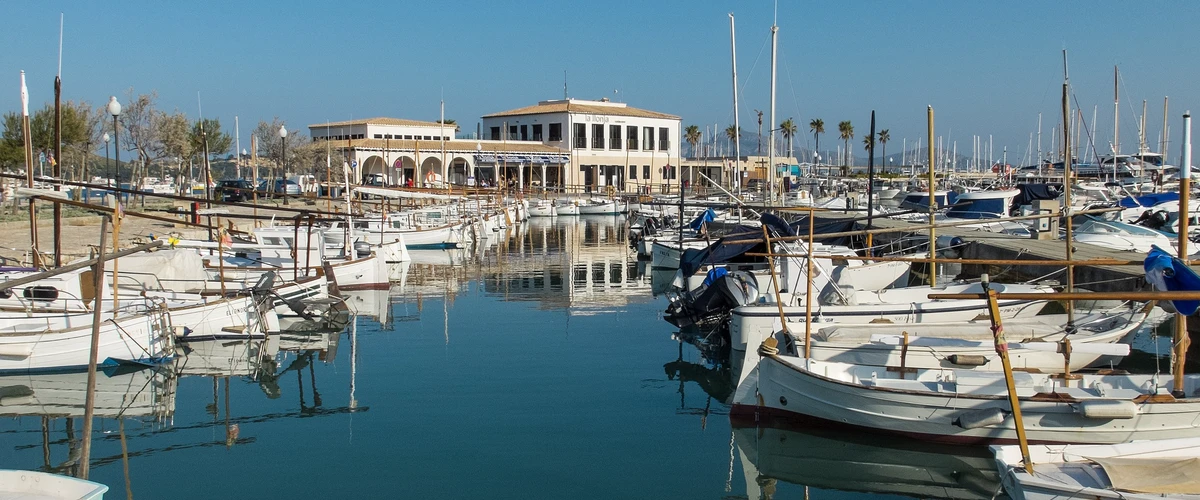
<point x="388" y="136"/>
<point x="648" y="138"/>
<point x="408" y="137"/>
<point x="646" y="172"/>
<point x="597" y="136"/>
<point x="614" y="137"/>
<point x="633" y="172"/>
<point x="537" y="132"/>
<point x="668" y="172"/>
<point x="631" y="137"/>
<point x="664" y="141"/>
<point x="512" y="132"/>
<point x="379" y="136"/>
<point x="524" y="132"/>
<point x="555" y="132"/>
<point x="580" y="136"/>
<point x="495" y="133"/>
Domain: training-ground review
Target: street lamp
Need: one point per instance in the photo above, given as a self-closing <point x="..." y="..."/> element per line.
<point x="283" y="162"/>
<point x="478" y="154"/>
<point x="107" y="164"/>
<point x="114" y="109"/>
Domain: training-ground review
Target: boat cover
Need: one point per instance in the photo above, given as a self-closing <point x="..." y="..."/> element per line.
<point x="721" y="251"/>
<point x="1034" y="192"/>
<point x="707" y="216"/>
<point x="1168" y="273"/>
<point x="1148" y="200"/>
<point x="1153" y="475"/>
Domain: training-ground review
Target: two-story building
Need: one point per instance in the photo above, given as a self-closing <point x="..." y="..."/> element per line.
<point x="608" y="143"/>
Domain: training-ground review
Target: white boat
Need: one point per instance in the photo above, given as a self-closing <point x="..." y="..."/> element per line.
<point x="1141" y="470"/>
<point x="30" y="485"/>
<point x="543" y="208"/>
<point x="968" y="406"/>
<point x="1035" y="341"/>
<point x="599" y="207"/>
<point x="119" y="394"/>
<point x="566" y="207"/>
<point x="1119" y="236"/>
<point x="845" y="305"/>
<point x="142" y="339"/>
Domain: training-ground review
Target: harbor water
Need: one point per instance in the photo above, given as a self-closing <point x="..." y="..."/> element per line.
<point x="532" y="365"/>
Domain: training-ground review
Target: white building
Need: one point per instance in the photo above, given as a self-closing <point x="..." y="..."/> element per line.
<point x="610" y="143"/>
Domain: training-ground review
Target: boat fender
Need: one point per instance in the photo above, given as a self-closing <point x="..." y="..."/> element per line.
<point x="968" y="359"/>
<point x="1107" y="409"/>
<point x="980" y="418"/>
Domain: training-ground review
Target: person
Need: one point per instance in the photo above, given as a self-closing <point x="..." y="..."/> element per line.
<point x="409" y="182"/>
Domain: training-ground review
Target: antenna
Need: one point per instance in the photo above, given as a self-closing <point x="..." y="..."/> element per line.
<point x="200" y="109"/>
<point x="776" y="19"/>
<point x="1065" y="77"/>
<point x="565" y="85"/>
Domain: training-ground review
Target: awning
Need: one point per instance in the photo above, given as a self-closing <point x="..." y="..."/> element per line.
<point x="527" y="159"/>
<point x="395" y="193"/>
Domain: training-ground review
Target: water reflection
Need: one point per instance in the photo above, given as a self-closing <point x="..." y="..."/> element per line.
<point x="856" y="462"/>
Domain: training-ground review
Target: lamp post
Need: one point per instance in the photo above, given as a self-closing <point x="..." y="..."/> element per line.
<point x="107" y="164"/>
<point x="478" y="154"/>
<point x="283" y="162"/>
<point x="114" y="109"/>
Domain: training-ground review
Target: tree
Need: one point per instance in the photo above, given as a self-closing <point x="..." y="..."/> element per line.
<point x="788" y="130"/>
<point x="79" y="122"/>
<point x="451" y="121"/>
<point x="884" y="136"/>
<point x="219" y="142"/>
<point x="299" y="158"/>
<point x="759" y="153"/>
<point x="137" y="120"/>
<point x="734" y="134"/>
<point x="846" y="132"/>
<point x="817" y="126"/>
<point x="869" y="143"/>
<point x="692" y="135"/>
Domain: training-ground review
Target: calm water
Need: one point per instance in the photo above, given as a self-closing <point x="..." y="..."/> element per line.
<point x="534" y="366"/>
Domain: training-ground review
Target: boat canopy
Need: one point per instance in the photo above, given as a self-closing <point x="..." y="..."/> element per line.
<point x="1030" y="193"/>
<point x="707" y="216"/>
<point x="1148" y="200"/>
<point x="722" y="250"/>
<point x="527" y="159"/>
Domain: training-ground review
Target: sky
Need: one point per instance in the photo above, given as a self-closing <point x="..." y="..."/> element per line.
<point x="987" y="68"/>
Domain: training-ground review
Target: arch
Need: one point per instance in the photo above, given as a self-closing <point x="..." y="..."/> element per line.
<point x="371" y="166"/>
<point x="431" y="171"/>
<point x="461" y="167"/>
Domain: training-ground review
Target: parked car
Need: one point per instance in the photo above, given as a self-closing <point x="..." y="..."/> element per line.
<point x="234" y="190"/>
<point x="276" y="187"/>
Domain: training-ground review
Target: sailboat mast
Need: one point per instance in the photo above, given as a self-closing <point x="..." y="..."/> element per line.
<point x="771" y="129"/>
<point x="1116" y="145"/>
<point x="1066" y="109"/>
<point x="1182" y="339"/>
<point x="737" y="127"/>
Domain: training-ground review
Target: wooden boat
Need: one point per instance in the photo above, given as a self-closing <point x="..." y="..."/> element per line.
<point x="143" y="339"/>
<point x="543" y="208"/>
<point x="1168" y="468"/>
<point x="599" y="207"/>
<point x="896" y="305"/>
<point x="967" y="406"/>
<point x="969" y="344"/>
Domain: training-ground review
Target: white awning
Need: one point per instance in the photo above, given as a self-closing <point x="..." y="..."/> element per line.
<point x="395" y="193"/>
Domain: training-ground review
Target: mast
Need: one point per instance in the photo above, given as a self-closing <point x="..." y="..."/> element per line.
<point x="771" y="136"/>
<point x="33" y="235"/>
<point x="56" y="164"/>
<point x="932" y="204"/>
<point x="1116" y="145"/>
<point x="1066" y="109"/>
<point x="1182" y="340"/>
<point x="737" y="127"/>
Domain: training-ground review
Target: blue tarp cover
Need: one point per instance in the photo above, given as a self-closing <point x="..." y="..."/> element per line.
<point x="1148" y="200"/>
<point x="1169" y="274"/>
<point x="707" y="216"/>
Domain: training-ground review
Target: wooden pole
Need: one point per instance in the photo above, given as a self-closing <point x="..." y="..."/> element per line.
<point x="116" y="222"/>
<point x="808" y="292"/>
<point x="932" y="204"/>
<point x="774" y="284"/>
<point x="57" y="167"/>
<point x="1066" y="209"/>
<point x="1002" y="349"/>
<point x="1182" y="339"/>
<point x="90" y="398"/>
<point x="28" y="143"/>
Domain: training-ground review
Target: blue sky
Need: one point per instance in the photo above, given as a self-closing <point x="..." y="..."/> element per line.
<point x="986" y="67"/>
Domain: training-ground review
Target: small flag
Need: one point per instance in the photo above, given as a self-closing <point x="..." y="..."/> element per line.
<point x="226" y="240"/>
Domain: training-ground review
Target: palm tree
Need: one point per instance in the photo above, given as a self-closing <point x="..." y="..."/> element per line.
<point x="846" y="132"/>
<point x="733" y="133"/>
<point x="817" y="126"/>
<point x="692" y="135"/>
<point x="788" y="130"/>
<point x="759" y="153"/>
<point x="869" y="143"/>
<point x="884" y="136"/>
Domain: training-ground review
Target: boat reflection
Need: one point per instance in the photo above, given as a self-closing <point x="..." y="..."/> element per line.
<point x="137" y="393"/>
<point x="847" y="461"/>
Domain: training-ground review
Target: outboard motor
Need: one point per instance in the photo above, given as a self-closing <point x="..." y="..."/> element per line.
<point x="713" y="302"/>
<point x="362" y="248"/>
